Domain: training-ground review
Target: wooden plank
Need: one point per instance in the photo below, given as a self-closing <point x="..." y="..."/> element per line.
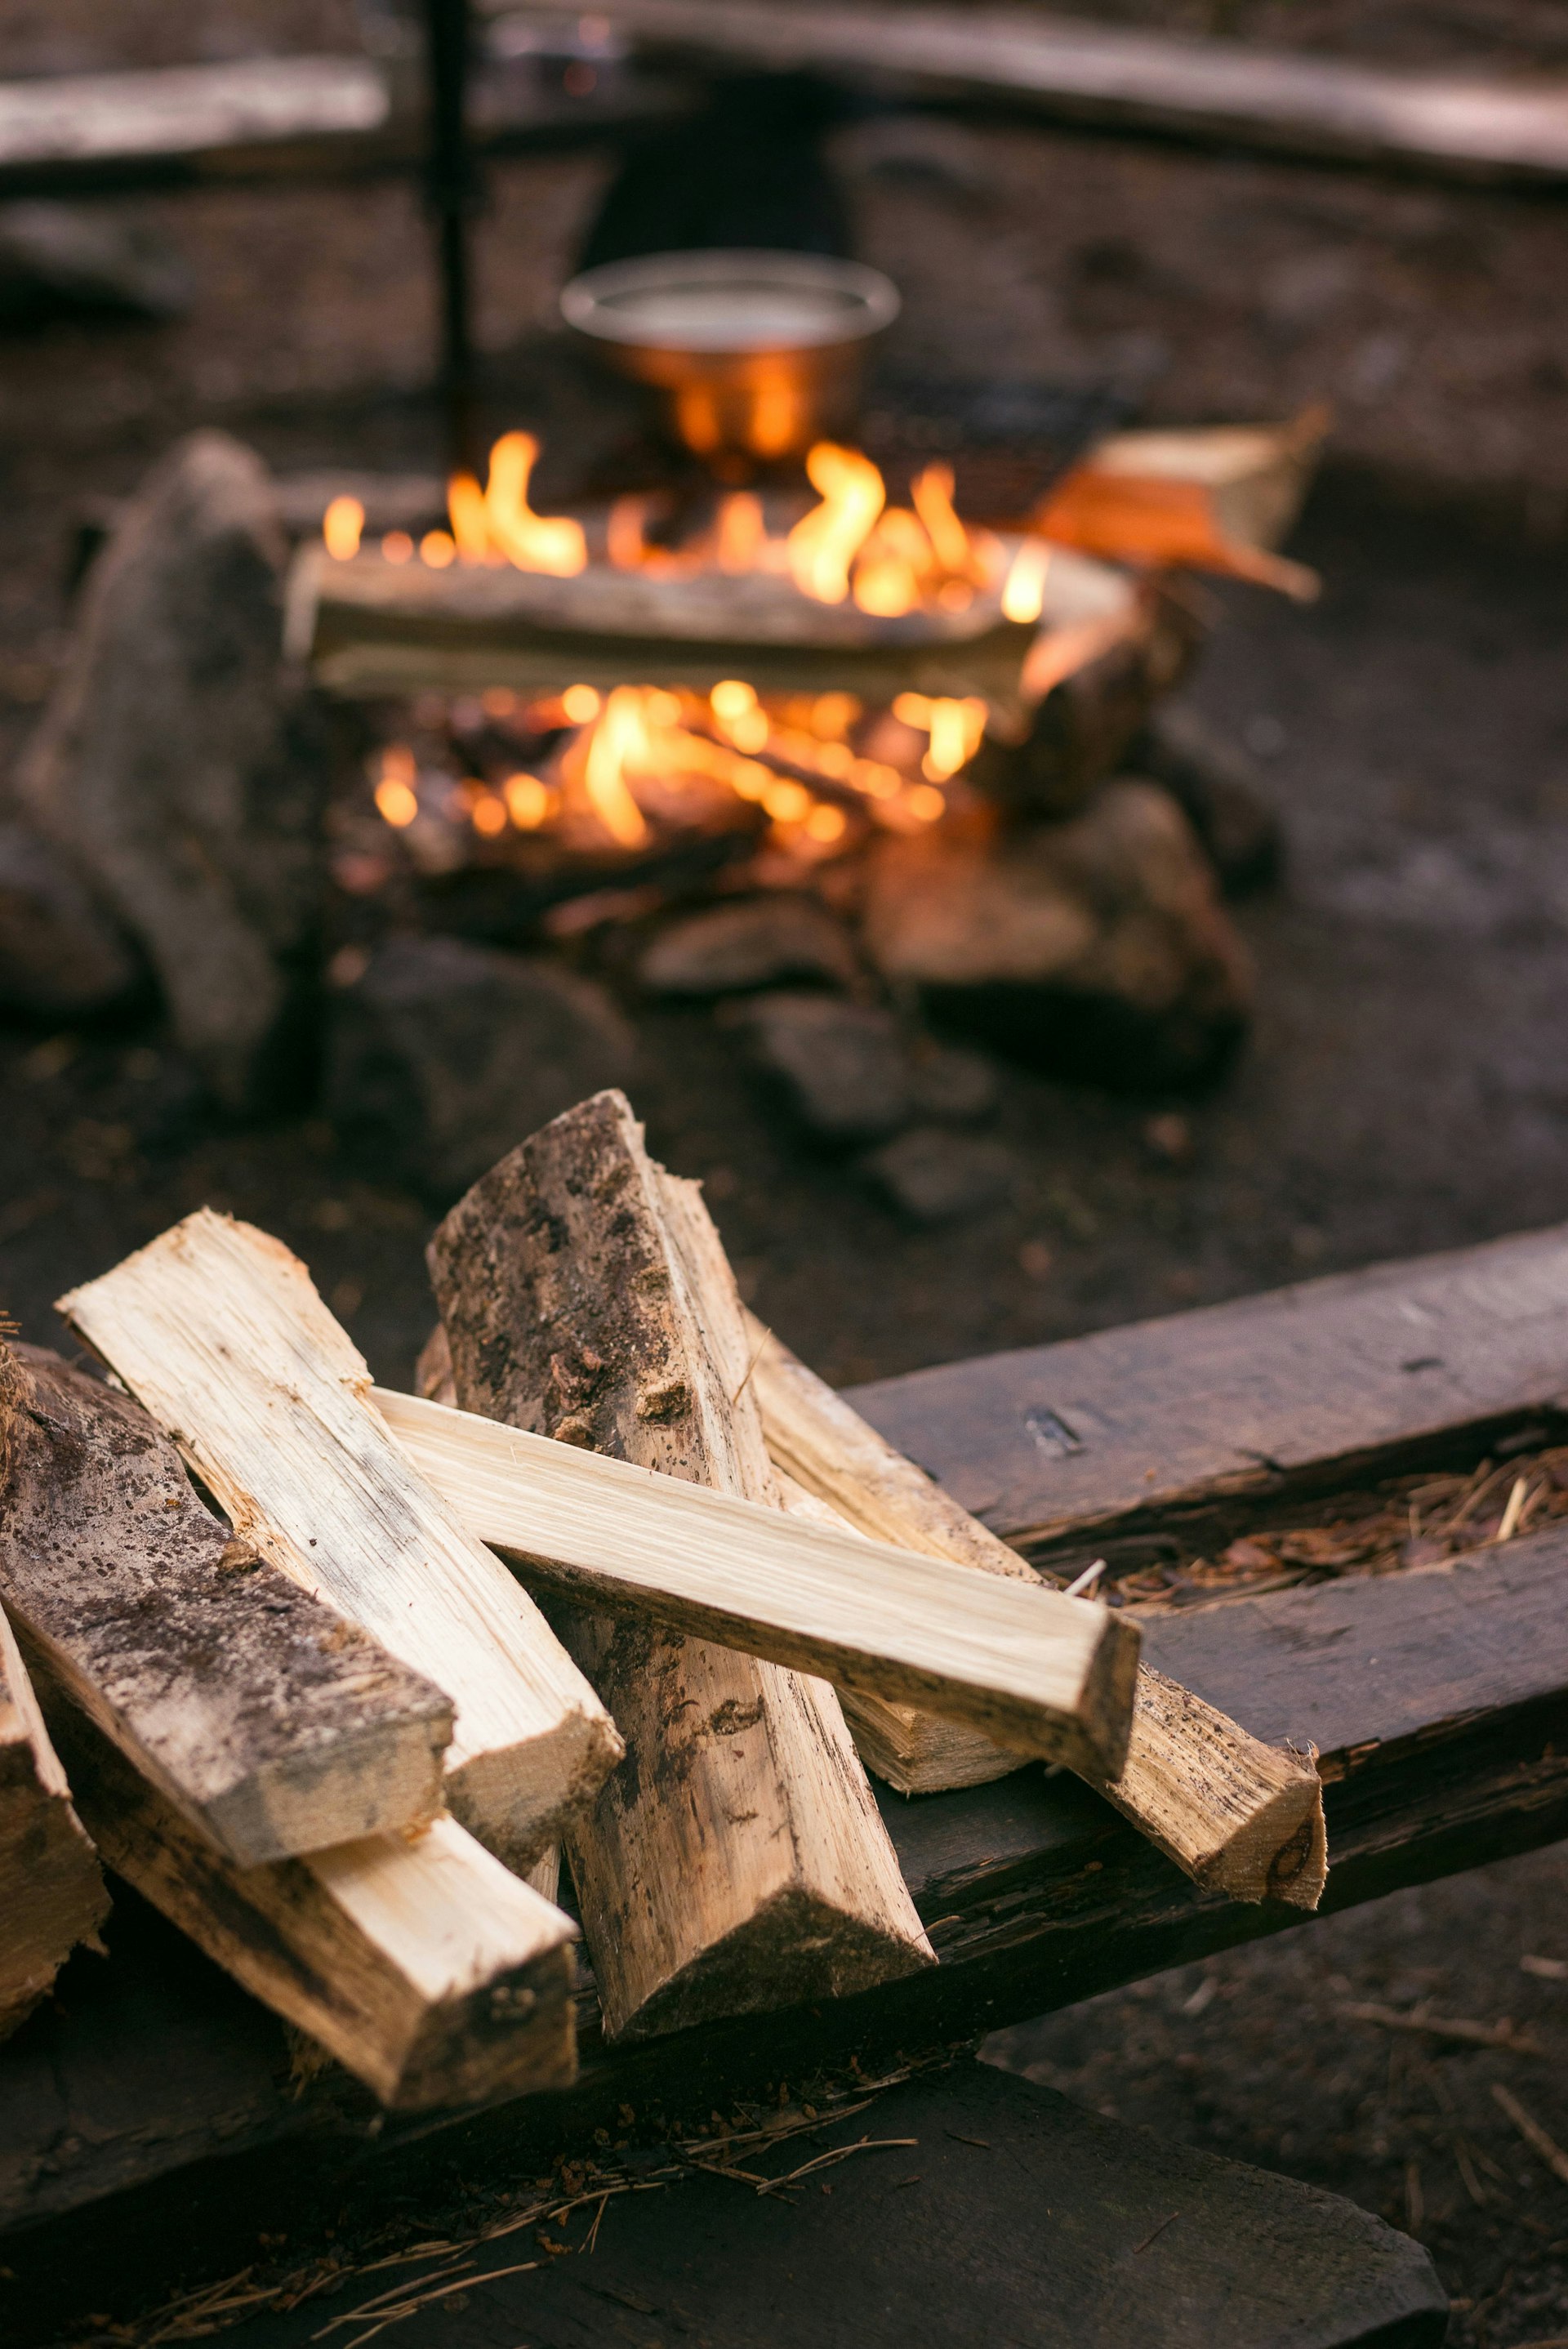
<point x="738" y="1860"/>
<point x="429" y="1970"/>
<point x="52" y="1893"/>
<point x="1237" y="1816"/>
<point x="120" y="1580"/>
<point x="1463" y="126"/>
<point x="219" y="1332"/>
<point x="1049" y="1675"/>
<point x="1235" y="1407"/>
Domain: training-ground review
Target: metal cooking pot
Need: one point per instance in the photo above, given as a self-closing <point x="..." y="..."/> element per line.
<point x="754" y="353"/>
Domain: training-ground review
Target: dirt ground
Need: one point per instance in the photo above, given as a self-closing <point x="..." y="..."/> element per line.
<point x="1404" y="1088"/>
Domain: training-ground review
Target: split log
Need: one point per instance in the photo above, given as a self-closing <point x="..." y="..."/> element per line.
<point x="326" y="598"/>
<point x="429" y="1970"/>
<point x="1239" y="1816"/>
<point x="738" y="1860"/>
<point x="219" y="1332"/>
<point x="52" y="1894"/>
<point x="1045" y="1674"/>
<point x="126" y="1587"/>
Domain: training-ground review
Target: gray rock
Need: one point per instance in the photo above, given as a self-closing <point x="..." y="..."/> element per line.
<point x="843" y="1068"/>
<point x="1220" y="789"/>
<point x="184" y="771"/>
<point x="60" y="955"/>
<point x="442" y="1057"/>
<point x="1094" y="947"/>
<point x="752" y="942"/>
<point x="949" y="1085"/>
<point x="934" y="1177"/>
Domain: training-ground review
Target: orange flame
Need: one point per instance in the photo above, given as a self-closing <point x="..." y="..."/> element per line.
<point x="825" y="542"/>
<point x="498" y="525"/>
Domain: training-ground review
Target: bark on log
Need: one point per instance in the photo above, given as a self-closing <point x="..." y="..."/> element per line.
<point x="1237" y="1816"/>
<point x="737" y="1861"/>
<point x="52" y="1894"/>
<point x="126" y="1589"/>
<point x="221" y="1333"/>
<point x="429" y="1970"/>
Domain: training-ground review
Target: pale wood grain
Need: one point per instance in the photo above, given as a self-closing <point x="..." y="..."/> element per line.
<point x="738" y="1860"/>
<point x="1237" y="1816"/>
<point x="1048" y="1675"/>
<point x="272" y="1724"/>
<point x="217" y="1330"/>
<point x="429" y="1970"/>
<point x="52" y="1895"/>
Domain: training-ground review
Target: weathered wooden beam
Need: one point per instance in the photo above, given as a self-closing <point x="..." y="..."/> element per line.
<point x="52" y="1895"/>
<point x="1045" y="1674"/>
<point x="218" y="1332"/>
<point x="1463" y="126"/>
<point x="738" y="1860"/>
<point x="1238" y="1817"/>
<point x="429" y="1970"/>
<point x="1244" y="1407"/>
<point x="117" y="1578"/>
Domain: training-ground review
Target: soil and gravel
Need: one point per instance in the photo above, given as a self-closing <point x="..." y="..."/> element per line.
<point x="1404" y="1086"/>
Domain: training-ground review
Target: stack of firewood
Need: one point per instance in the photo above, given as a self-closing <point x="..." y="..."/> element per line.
<point x="626" y="1578"/>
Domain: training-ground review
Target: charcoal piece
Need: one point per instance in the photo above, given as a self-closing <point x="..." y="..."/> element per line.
<point x="935" y="1176"/>
<point x="443" y="1056"/>
<point x="1096" y="947"/>
<point x="842" y="1068"/>
<point x="60" y="955"/>
<point x="183" y="770"/>
<point x="751" y="942"/>
<point x="1084" y="727"/>
<point x="1220" y="791"/>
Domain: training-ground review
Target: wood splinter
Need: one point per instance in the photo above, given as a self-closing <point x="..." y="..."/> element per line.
<point x="1239" y="1816"/>
<point x="738" y="1860"/>
<point x="218" y="1332"/>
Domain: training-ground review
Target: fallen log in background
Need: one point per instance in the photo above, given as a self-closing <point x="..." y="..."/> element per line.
<point x="429" y="1970"/>
<point x="219" y="1332"/>
<point x="54" y="1894"/>
<point x="738" y="1859"/>
<point x="269" y="1722"/>
<point x="1049" y="1675"/>
<point x="1462" y="127"/>
<point x="1239" y="1816"/>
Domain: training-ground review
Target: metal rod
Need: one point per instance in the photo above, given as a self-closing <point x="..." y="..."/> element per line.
<point x="452" y="188"/>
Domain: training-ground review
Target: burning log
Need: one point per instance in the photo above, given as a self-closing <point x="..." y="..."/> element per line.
<point x="125" y="1588"/>
<point x="429" y="1970"/>
<point x="738" y="1860"/>
<point x="1044" y="1674"/>
<point x="221" y="1333"/>
<point x="53" y="1893"/>
<point x="1238" y="1817"/>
